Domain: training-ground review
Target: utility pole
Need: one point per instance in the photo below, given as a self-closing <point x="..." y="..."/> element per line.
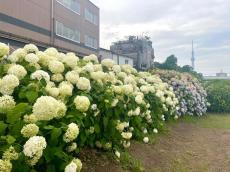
<point x="193" y="57"/>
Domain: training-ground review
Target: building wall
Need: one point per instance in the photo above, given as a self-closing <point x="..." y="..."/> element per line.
<point x="118" y="59"/>
<point x="140" y="49"/>
<point x="32" y="21"/>
<point x="125" y="60"/>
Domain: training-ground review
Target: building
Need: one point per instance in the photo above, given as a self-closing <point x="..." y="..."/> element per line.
<point x="118" y="58"/>
<point x="140" y="49"/>
<point x="221" y="74"/>
<point x="69" y="25"/>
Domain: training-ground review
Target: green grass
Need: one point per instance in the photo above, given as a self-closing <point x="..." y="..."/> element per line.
<point x="130" y="163"/>
<point x="219" y="121"/>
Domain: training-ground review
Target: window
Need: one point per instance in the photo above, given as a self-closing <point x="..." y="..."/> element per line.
<point x="91" y="17"/>
<point x="90" y="42"/>
<point x="126" y="61"/>
<point x="73" y="5"/>
<point x="68" y="33"/>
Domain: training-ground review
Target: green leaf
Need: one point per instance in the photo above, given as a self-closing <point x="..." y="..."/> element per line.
<point x="31" y="96"/>
<point x="97" y="128"/>
<point x="3" y="127"/>
<point x="43" y="82"/>
<point x="10" y="139"/>
<point x="55" y="133"/>
<point x="15" y="114"/>
<point x="105" y="121"/>
<point x="60" y="154"/>
<point x="48" y="127"/>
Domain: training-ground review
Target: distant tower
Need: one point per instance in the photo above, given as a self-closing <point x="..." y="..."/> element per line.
<point x="193" y="57"/>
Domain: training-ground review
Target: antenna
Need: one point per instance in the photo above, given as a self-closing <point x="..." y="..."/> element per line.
<point x="193" y="57"/>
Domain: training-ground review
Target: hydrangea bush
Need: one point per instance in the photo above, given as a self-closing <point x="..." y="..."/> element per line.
<point x="190" y="93"/>
<point x="53" y="104"/>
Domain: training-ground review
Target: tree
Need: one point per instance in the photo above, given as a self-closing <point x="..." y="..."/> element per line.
<point x="170" y="63"/>
<point x="187" y="68"/>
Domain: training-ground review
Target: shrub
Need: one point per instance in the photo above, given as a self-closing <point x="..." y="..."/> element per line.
<point x="218" y="95"/>
<point x="190" y="93"/>
<point x="53" y="104"/>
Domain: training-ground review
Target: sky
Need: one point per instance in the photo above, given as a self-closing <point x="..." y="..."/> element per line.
<point x="172" y="25"/>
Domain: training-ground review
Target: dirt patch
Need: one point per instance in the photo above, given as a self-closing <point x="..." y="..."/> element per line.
<point x="187" y="147"/>
<point x="98" y="161"/>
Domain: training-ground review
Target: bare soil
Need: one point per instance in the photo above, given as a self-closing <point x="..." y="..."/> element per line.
<point x="186" y="148"/>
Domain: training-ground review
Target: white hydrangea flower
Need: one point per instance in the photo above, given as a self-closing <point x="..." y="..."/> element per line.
<point x="122" y="75"/>
<point x="5" y="166"/>
<point x="30" y="118"/>
<point x="91" y="58"/>
<point x="145" y="139"/>
<point x="17" y="55"/>
<point x="88" y="67"/>
<point x="72" y="77"/>
<point x="31" y="58"/>
<point x="128" y="69"/>
<point x="83" y="84"/>
<point x="61" y="57"/>
<point x="145" y="89"/>
<point x="78" y="163"/>
<point x="51" y="51"/>
<point x="155" y="131"/>
<point x="52" y="90"/>
<point x="109" y="63"/>
<point x="114" y="103"/>
<point x="18" y="71"/>
<point x="120" y="126"/>
<point x="10" y="154"/>
<point x="65" y="88"/>
<point x="40" y="74"/>
<point x="57" y="77"/>
<point x="117" y="89"/>
<point x="44" y="59"/>
<point x="30" y="130"/>
<point x="72" y="147"/>
<point x="97" y="67"/>
<point x="145" y="131"/>
<point x="71" y="133"/>
<point x="71" y="60"/>
<point x="71" y="167"/>
<point x="139" y="99"/>
<point x="126" y="144"/>
<point x="6" y="103"/>
<point x="33" y="148"/>
<point x="31" y="48"/>
<point x="117" y="68"/>
<point x="117" y="154"/>
<point x="56" y="66"/>
<point x="127" y="89"/>
<point x="82" y="103"/>
<point x="126" y="135"/>
<point x="8" y="83"/>
<point x="94" y="107"/>
<point x="137" y="111"/>
<point x="129" y="80"/>
<point x="46" y="108"/>
<point x="4" y="49"/>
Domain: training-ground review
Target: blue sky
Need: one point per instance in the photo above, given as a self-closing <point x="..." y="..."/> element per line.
<point x="172" y="25"/>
